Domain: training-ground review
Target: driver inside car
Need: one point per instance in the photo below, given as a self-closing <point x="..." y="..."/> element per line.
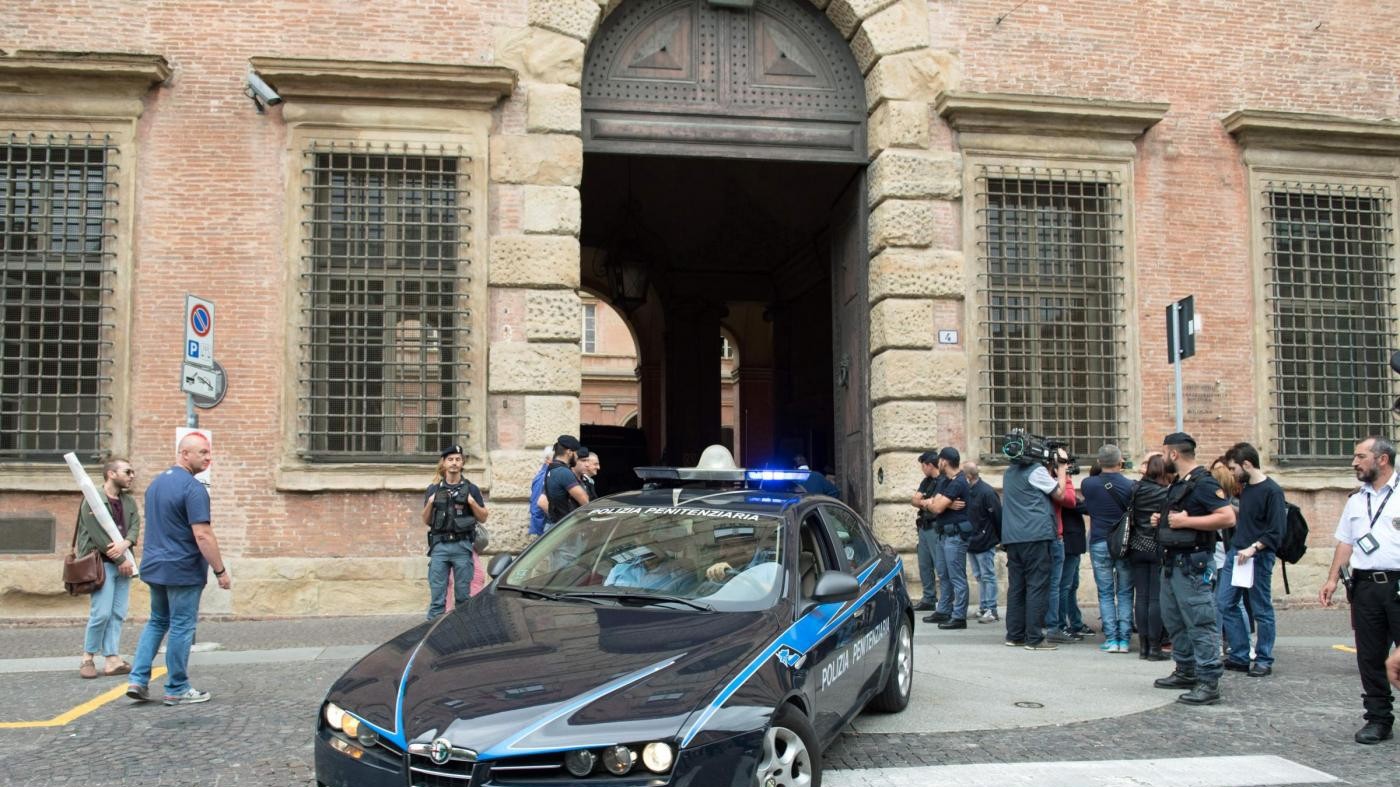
<point x="650" y="570"/>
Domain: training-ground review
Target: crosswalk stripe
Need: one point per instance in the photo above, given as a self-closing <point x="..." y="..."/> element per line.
<point x="1238" y="771"/>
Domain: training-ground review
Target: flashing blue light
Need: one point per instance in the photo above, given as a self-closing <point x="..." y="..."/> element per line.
<point x="778" y="475"/>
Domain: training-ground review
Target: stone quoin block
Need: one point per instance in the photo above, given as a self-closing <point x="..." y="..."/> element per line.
<point x="899" y="28"/>
<point x="898" y="124"/>
<point x="893" y="524"/>
<point x="552" y="315"/>
<point x="551" y="210"/>
<point x="520" y="367"/>
<point x="545" y="261"/>
<point x="573" y="18"/>
<point x="897" y="475"/>
<point x="903" y="426"/>
<point x="537" y="159"/>
<point x="919" y="75"/>
<point x="918" y="273"/>
<point x="547" y="417"/>
<point x="848" y="14"/>
<point x="918" y="374"/>
<point x="901" y="323"/>
<point x="511" y="474"/>
<point x="539" y="55"/>
<point x="910" y="174"/>
<point x="901" y="222"/>
<point x="553" y="108"/>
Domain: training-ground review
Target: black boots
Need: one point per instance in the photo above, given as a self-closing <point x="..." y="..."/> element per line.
<point x="1207" y="692"/>
<point x="1179" y="679"/>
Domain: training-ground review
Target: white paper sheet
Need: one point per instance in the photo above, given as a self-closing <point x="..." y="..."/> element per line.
<point x="1242" y="574"/>
<point x="97" y="504"/>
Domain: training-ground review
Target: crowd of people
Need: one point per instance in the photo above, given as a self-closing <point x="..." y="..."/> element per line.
<point x="1183" y="559"/>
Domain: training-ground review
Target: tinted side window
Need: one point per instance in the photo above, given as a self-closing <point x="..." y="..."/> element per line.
<point x="851" y="537"/>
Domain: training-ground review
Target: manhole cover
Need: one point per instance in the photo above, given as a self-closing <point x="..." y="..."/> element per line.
<point x="1029" y="705"/>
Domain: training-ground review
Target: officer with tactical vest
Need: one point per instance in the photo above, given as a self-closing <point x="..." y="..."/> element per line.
<point x="1196" y="507"/>
<point x="452" y="507"/>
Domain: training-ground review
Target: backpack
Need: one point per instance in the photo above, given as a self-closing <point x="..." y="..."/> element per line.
<point x="1295" y="542"/>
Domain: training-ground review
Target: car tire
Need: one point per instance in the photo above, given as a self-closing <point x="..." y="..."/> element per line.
<point x="899" y="683"/>
<point x="790" y="756"/>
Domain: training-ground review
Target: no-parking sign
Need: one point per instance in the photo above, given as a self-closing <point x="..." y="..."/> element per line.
<point x="199" y="332"/>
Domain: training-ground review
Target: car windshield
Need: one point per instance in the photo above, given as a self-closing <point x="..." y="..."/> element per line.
<point x="718" y="559"/>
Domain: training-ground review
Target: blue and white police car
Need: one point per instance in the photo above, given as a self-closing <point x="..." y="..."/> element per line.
<point x="708" y="630"/>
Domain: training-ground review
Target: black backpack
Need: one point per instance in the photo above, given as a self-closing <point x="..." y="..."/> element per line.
<point x="1295" y="541"/>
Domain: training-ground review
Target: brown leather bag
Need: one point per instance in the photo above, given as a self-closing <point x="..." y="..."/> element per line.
<point x="82" y="575"/>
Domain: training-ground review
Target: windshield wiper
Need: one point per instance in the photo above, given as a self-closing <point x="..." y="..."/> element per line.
<point x="644" y="598"/>
<point x="543" y="594"/>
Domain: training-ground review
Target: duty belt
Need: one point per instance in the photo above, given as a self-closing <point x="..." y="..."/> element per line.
<point x="451" y="536"/>
<point x="1379" y="577"/>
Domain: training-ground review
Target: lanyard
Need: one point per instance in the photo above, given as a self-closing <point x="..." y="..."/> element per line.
<point x="1377" y="515"/>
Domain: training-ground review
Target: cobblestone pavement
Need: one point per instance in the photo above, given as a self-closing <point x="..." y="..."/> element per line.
<point x="257" y="729"/>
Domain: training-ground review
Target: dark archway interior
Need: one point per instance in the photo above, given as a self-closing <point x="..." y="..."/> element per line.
<point x="739" y="244"/>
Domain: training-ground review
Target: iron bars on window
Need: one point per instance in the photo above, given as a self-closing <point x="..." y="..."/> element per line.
<point x="58" y="199"/>
<point x="385" y="365"/>
<point x="1051" y="311"/>
<point x="1329" y="258"/>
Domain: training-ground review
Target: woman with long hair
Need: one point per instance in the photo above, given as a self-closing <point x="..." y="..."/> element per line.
<point x="1149" y="496"/>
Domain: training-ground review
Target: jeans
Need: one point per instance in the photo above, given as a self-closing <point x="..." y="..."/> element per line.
<point x="1069" y="594"/>
<point x="1053" y="617"/>
<point x="1028" y="588"/>
<point x="1147" y="600"/>
<point x="174" y="610"/>
<point x="953" y="576"/>
<point x="1114" y="580"/>
<point x="1188" y="610"/>
<point x="930" y="554"/>
<point x="1261" y="603"/>
<point x="454" y="556"/>
<point x="106" y="614"/>
<point x="984" y="567"/>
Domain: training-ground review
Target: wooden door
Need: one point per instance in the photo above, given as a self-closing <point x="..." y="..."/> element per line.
<point x="850" y="330"/>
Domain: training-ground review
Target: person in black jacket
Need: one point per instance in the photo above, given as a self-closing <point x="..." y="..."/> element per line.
<point x="1149" y="495"/>
<point x="984" y="510"/>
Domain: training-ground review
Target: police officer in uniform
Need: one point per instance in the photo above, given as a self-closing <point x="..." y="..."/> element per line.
<point x="562" y="491"/>
<point x="452" y="507"/>
<point x="1368" y="540"/>
<point x="930" y="547"/>
<point x="1196" y="508"/>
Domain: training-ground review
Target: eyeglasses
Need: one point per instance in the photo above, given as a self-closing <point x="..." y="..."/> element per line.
<point x="128" y="472"/>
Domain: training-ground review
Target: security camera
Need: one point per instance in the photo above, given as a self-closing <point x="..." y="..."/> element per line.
<point x="261" y="92"/>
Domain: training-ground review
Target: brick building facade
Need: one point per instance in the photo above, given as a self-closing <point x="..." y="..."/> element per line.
<point x="1042" y="180"/>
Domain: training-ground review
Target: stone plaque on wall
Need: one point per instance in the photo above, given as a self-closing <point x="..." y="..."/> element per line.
<point x="26" y="534"/>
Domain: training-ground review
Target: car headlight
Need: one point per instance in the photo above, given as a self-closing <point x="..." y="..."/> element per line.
<point x="580" y="762"/>
<point x="618" y="759"/>
<point x="335" y="716"/>
<point x="351" y="725"/>
<point x="658" y="757"/>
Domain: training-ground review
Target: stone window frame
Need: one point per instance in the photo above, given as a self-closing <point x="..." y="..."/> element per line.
<point x="1049" y="132"/>
<point x="96" y="94"/>
<point x="396" y="104"/>
<point x="1309" y="148"/>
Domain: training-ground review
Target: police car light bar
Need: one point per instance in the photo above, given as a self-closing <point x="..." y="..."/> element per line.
<point x="779" y="475"/>
<point x="688" y="474"/>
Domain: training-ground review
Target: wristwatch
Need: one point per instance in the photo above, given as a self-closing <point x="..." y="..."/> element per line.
<point x="221" y="573"/>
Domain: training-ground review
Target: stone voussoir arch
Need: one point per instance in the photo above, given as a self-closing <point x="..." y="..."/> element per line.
<point x="537" y="170"/>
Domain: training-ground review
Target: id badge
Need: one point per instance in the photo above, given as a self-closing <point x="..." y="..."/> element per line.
<point x="1367" y="544"/>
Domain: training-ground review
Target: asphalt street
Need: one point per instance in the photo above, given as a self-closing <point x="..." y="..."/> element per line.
<point x="982" y="713"/>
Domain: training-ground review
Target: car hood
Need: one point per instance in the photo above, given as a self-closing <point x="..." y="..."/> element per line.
<point x="504" y="675"/>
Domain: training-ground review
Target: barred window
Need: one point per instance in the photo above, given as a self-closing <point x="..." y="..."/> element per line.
<point x="1329" y="263"/>
<point x="1051" y="312"/>
<point x="590" y="327"/>
<point x="58" y="200"/>
<point x="385" y="368"/>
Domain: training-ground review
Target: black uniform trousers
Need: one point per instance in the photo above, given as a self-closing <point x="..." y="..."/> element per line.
<point x="1375" y="615"/>
<point x="1027" y="591"/>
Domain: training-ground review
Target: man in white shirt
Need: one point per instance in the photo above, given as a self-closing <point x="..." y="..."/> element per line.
<point x="1368" y="540"/>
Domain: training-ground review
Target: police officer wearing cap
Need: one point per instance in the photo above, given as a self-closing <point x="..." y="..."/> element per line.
<point x="452" y="507"/>
<point x="1368" y="541"/>
<point x="930" y="548"/>
<point x="1196" y="507"/>
<point x="562" y="491"/>
<point x="955" y="530"/>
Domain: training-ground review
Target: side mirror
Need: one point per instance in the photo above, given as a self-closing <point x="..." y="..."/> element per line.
<point x="499" y="564"/>
<point x="835" y="586"/>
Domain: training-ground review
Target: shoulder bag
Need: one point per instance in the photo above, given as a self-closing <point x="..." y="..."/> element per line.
<point x="1122" y="529"/>
<point x="82" y="575"/>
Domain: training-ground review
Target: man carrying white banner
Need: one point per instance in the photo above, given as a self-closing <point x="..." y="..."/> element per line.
<point x="109" y="602"/>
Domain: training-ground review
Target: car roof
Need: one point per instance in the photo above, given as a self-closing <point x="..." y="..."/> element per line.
<point x="756" y="501"/>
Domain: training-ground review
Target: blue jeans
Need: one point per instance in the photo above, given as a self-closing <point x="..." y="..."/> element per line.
<point x="984" y="566"/>
<point x="954" y="576"/>
<point x="1261" y="605"/>
<point x="930" y="556"/>
<point x="454" y="556"/>
<point x="1114" y="579"/>
<point x="1053" y="619"/>
<point x="174" y="610"/>
<point x="106" y="614"/>
<point x="1069" y="594"/>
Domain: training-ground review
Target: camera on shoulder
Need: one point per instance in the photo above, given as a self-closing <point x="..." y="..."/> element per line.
<point x="1025" y="448"/>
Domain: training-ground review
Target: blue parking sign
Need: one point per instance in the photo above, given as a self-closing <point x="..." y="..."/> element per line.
<point x="193" y="350"/>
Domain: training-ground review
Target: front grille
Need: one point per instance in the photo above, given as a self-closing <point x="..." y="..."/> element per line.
<point x="423" y="772"/>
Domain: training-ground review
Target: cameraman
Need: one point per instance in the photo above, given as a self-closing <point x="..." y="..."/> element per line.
<point x="452" y="507"/>
<point x="1030" y="492"/>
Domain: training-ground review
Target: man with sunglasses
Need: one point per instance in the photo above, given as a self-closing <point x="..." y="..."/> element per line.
<point x="109" y="602"/>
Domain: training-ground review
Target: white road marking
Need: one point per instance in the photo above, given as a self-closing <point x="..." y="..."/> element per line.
<point x="1243" y="771"/>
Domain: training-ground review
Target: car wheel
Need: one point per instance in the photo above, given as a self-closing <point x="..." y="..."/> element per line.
<point x="894" y="697"/>
<point x="790" y="755"/>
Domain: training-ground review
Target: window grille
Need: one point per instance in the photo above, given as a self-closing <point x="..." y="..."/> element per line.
<point x="1051" y="311"/>
<point x="385" y="367"/>
<point x="1329" y="257"/>
<point x="590" y="327"/>
<point x="58" y="200"/>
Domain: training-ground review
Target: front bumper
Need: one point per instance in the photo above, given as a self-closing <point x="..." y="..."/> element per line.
<point x="727" y="763"/>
